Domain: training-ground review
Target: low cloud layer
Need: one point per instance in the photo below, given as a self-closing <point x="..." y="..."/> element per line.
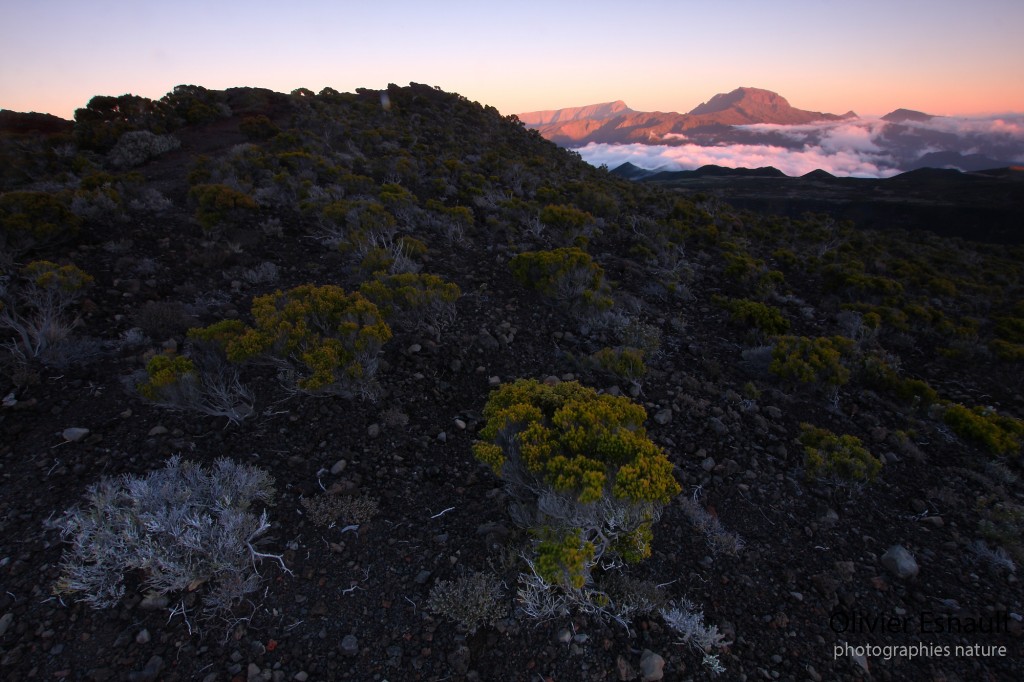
<point x="859" y="148"/>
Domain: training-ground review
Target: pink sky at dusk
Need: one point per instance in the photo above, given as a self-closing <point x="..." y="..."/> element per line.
<point x="938" y="56"/>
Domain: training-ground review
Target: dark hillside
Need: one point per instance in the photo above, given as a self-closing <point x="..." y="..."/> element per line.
<point x="777" y="420"/>
<point x="982" y="206"/>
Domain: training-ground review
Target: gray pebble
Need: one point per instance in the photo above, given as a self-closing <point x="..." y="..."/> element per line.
<point x="349" y="645"/>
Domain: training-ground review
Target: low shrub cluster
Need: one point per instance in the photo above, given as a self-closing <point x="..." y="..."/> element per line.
<point x="138" y="146"/>
<point x="880" y="373"/>
<point x="180" y="528"/>
<point x="203" y="383"/>
<point x="568" y="275"/>
<point x="37" y="310"/>
<point x="621" y="362"/>
<point x="325" y="339"/>
<point x="837" y="458"/>
<point x="327" y="510"/>
<point x="760" y="316"/>
<point x="411" y="300"/>
<point x="219" y="207"/>
<point x="585" y="480"/>
<point x="29" y="220"/>
<point x="806" y="360"/>
<point x="999" y="433"/>
<point x="471" y="601"/>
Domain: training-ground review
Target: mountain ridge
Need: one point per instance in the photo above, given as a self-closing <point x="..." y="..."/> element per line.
<point x="591" y="111"/>
<point x="579" y="126"/>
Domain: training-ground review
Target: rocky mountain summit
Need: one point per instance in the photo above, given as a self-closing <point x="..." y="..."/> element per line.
<point x="615" y="124"/>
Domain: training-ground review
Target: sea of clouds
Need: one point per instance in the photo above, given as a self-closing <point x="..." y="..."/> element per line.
<point x="863" y="147"/>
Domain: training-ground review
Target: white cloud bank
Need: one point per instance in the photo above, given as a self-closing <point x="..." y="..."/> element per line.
<point x="692" y="156"/>
<point x="858" y="148"/>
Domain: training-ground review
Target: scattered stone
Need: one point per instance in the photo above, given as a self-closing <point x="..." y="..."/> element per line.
<point x="443" y="437"/>
<point x="158" y="430"/>
<point x="719" y="426"/>
<point x="154" y="602"/>
<point x="349" y="645"/>
<point x="301" y="676"/>
<point x="625" y="670"/>
<point x="373" y="430"/>
<point x="422" y="577"/>
<point x="652" y="666"/>
<point x="143" y="637"/>
<point x="708" y="464"/>
<point x="773" y="412"/>
<point x="487" y="341"/>
<point x="338" y="467"/>
<point x="900" y="562"/>
<point x="552" y="380"/>
<point x="149" y="673"/>
<point x="663" y="416"/>
<point x="415" y="348"/>
<point x="253" y="673"/>
<point x="494" y="381"/>
<point x="74" y="434"/>
<point x="460" y="425"/>
<point x="5" y="623"/>
<point x="564" y="636"/>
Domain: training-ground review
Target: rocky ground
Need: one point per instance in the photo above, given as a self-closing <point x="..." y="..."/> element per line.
<point x="823" y="566"/>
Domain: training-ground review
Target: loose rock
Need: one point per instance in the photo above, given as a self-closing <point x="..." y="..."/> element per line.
<point x="652" y="666"/>
<point x="349" y="645"/>
<point x="900" y="562"/>
<point x="74" y="434"/>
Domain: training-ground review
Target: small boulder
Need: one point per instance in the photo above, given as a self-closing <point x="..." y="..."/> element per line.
<point x="900" y="562"/>
<point x="652" y="666"/>
<point x="74" y="434"/>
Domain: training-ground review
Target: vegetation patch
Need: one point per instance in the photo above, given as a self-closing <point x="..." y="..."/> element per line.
<point x="326" y="339"/>
<point x="838" y="458"/>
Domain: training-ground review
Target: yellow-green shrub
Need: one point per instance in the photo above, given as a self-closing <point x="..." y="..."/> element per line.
<point x="32" y="219"/>
<point x="806" y="360"/>
<point x="565" y="218"/>
<point x="622" y="362"/>
<point x="219" y="206"/>
<point x="745" y="312"/>
<point x="66" y="279"/>
<point x="164" y="371"/>
<point x="568" y="275"/>
<point x="589" y="452"/>
<point x="412" y="299"/>
<point x="999" y="433"/>
<point x="830" y="456"/>
<point x="330" y="338"/>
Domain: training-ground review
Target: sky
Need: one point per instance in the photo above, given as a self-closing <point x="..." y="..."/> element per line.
<point x="938" y="56"/>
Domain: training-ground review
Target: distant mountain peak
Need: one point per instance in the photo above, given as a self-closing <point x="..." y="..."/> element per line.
<point x="756" y="105"/>
<point x="615" y="123"/>
<point x="595" y="112"/>
<point x="739" y="98"/>
<point x="904" y="115"/>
